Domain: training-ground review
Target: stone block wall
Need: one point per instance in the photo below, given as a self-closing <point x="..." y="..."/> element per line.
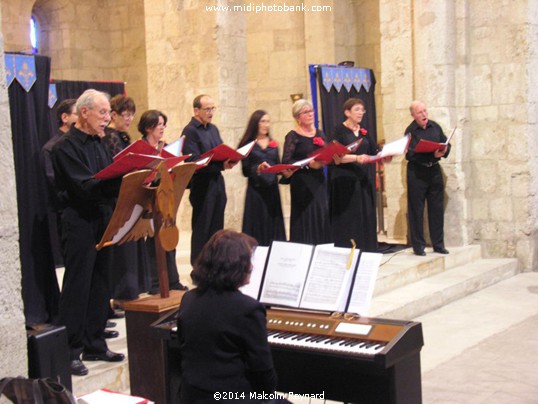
<point x="92" y="40"/>
<point x="12" y="323"/>
<point x="473" y="65"/>
<point x="169" y="51"/>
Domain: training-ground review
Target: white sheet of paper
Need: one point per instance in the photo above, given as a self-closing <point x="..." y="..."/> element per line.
<point x="244" y="150"/>
<point x="286" y="273"/>
<point x="329" y="280"/>
<point x="175" y="147"/>
<point x="363" y="287"/>
<point x="395" y="148"/>
<point x="259" y="257"/>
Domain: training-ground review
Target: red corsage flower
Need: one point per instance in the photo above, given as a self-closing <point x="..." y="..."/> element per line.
<point x="363" y="131"/>
<point x="318" y="141"/>
<point x="273" y="144"/>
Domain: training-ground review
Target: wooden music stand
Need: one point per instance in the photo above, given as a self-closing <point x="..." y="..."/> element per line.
<point x="149" y="211"/>
<point x="146" y="211"/>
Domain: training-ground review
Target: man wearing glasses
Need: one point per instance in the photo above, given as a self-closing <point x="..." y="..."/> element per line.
<point x="208" y="193"/>
<point x="89" y="203"/>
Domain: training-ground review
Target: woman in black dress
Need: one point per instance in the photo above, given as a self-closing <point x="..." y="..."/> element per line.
<point x="262" y="217"/>
<point x="151" y="127"/>
<point x="131" y="272"/>
<point x="353" y="207"/>
<point x="222" y="333"/>
<point x="309" y="222"/>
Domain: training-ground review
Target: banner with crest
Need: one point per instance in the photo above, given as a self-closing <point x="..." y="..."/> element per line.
<point x="22" y="68"/>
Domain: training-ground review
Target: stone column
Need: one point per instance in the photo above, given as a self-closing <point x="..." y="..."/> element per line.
<point x="12" y="331"/>
<point x="419" y="59"/>
<point x="194" y="49"/>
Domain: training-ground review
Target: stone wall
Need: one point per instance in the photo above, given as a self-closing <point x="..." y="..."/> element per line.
<point x="443" y="54"/>
<point x="12" y="324"/>
<point x="440" y="52"/>
<point x="93" y="40"/>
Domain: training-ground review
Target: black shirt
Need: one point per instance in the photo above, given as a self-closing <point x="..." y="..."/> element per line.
<point x="433" y="132"/>
<point x="200" y="139"/>
<point x="76" y="158"/>
<point x="223" y="340"/>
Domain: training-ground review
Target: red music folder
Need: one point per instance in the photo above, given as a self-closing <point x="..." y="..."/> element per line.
<point x="278" y="168"/>
<point x="223" y="152"/>
<point x="427" y="146"/>
<point x="143" y="147"/>
<point x="327" y="152"/>
<point x="133" y="161"/>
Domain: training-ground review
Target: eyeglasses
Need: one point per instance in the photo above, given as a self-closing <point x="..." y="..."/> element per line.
<point x="209" y="109"/>
<point x="308" y="111"/>
<point x="104" y="112"/>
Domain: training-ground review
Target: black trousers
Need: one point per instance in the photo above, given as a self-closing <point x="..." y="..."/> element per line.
<point x="85" y="295"/>
<point x="425" y="184"/>
<point x="208" y="200"/>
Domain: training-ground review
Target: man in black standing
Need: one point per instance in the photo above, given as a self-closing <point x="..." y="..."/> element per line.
<point x="207" y="190"/>
<point x="425" y="181"/>
<point x="66" y="115"/>
<point x="89" y="204"/>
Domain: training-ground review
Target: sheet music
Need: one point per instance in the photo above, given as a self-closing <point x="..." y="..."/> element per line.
<point x="176" y="147"/>
<point x="329" y="279"/>
<point x="395" y="148"/>
<point x="128" y="225"/>
<point x="452" y="134"/>
<point x="286" y="272"/>
<point x="363" y="287"/>
<point x="244" y="150"/>
<point x="259" y="257"/>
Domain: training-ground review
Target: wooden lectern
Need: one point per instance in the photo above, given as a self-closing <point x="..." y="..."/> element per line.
<point x="149" y="211"/>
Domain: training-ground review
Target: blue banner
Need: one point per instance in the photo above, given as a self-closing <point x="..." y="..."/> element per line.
<point x="347" y="77"/>
<point x="9" y="61"/>
<point x="25" y="72"/>
<point x="53" y="95"/>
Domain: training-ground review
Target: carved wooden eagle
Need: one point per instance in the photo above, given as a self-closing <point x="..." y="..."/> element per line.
<point x="139" y="204"/>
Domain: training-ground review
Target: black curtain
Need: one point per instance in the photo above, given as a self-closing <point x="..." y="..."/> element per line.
<point x="33" y="123"/>
<point x="73" y="89"/>
<point x="332" y="113"/>
<point x="30" y="126"/>
<point x="332" y="103"/>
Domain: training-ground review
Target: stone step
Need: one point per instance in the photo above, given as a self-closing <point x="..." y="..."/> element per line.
<point x="403" y="267"/>
<point x="427" y="294"/>
<point x="106" y="375"/>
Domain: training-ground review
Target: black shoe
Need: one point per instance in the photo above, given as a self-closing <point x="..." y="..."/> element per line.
<point x="441" y="250"/>
<point x="179" y="286"/>
<point x="107" y="356"/>
<point x="111" y="334"/>
<point x="78" y="368"/>
<point x="110" y="324"/>
<point x="420" y="253"/>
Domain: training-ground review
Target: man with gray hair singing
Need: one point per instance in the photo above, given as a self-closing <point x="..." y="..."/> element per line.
<point x="89" y="204"/>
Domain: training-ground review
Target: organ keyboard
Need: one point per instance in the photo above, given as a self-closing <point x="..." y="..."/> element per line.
<point x="349" y="359"/>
